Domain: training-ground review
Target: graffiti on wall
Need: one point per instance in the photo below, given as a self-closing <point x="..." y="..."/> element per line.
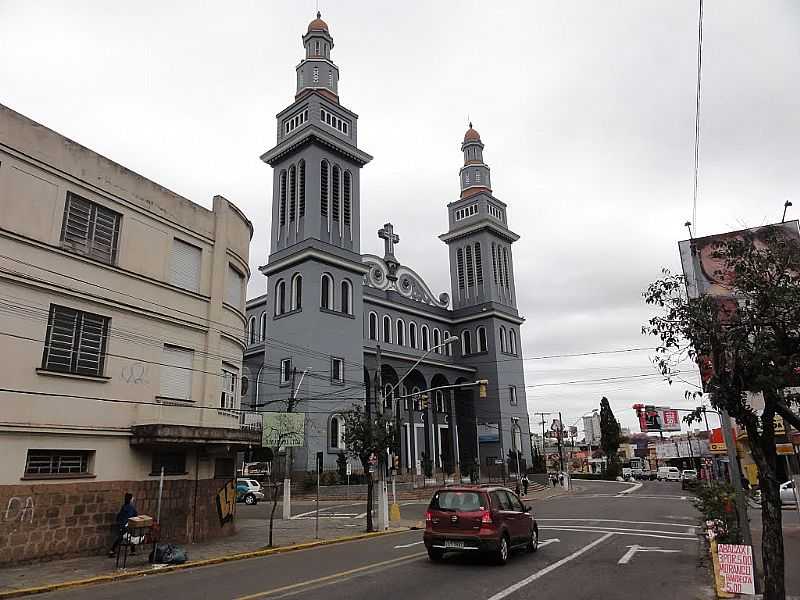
<point x="226" y="499"/>
<point x="134" y="373"/>
<point x="20" y="510"/>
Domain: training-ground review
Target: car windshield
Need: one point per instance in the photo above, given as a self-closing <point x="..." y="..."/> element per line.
<point x="462" y="501"/>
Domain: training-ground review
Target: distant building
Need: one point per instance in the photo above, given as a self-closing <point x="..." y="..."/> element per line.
<point x="591" y="429"/>
<point x="121" y="332"/>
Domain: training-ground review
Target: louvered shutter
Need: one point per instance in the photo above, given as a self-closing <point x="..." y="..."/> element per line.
<point x="76" y="341"/>
<point x="185" y="263"/>
<point x="91" y="343"/>
<point x="77" y="222"/>
<point x="176" y="373"/>
<point x="60" y="339"/>
<point x="233" y="288"/>
<point x="104" y="238"/>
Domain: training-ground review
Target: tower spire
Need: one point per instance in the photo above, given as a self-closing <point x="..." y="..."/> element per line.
<point x="317" y="71"/>
<point x="474" y="175"/>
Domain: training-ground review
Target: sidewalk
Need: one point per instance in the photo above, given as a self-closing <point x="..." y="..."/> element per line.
<point x="252" y="534"/>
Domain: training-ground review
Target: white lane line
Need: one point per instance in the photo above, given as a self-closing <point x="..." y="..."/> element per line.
<point x="626" y="529"/>
<point x="633" y="488"/>
<point x="622" y="521"/>
<point x="677" y="536"/>
<point x="531" y="578"/>
<point x="409" y="545"/>
<point x="543" y="543"/>
<point x="636" y="548"/>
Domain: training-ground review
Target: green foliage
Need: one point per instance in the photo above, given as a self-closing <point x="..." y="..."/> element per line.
<point x="609" y="435"/>
<point x="364" y="437"/>
<point x="716" y="503"/>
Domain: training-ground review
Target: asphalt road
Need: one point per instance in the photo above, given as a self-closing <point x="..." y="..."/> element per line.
<point x="598" y="543"/>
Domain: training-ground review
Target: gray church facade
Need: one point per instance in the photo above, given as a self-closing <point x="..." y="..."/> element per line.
<point x="331" y="314"/>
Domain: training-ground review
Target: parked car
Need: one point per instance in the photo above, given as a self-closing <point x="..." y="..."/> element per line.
<point x="490" y="520"/>
<point x="688" y="479"/>
<point x="787" y="492"/>
<point x="248" y="491"/>
<point x="668" y="474"/>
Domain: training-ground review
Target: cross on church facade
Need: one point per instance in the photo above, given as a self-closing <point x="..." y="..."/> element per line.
<point x="389" y="237"/>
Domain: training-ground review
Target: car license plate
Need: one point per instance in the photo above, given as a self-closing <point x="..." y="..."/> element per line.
<point x="453" y="544"/>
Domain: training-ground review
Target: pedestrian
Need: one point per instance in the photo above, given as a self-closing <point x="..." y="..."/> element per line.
<point x="561" y="478"/>
<point x="127" y="511"/>
<point x="525" y="484"/>
<point x="553" y="479"/>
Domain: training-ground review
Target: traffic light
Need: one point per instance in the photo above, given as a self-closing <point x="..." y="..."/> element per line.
<point x="423" y="402"/>
<point x="482" y="387"/>
<point x="320" y="458"/>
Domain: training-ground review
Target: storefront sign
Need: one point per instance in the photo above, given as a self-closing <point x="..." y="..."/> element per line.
<point x="736" y="568"/>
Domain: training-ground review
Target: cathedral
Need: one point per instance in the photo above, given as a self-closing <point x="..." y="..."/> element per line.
<point x="336" y="324"/>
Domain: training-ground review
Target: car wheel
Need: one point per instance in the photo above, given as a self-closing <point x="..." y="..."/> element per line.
<point x="435" y="554"/>
<point x="503" y="550"/>
<point x="533" y="543"/>
<point x="249" y="499"/>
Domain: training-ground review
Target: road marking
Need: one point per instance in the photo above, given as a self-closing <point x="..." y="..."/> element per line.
<point x="543" y="543"/>
<point x="623" y="521"/>
<point x="411" y="544"/>
<point x="331" y="578"/>
<point x="636" y="548"/>
<point x="625" y="529"/>
<point x="531" y="578"/>
<point x="675" y="536"/>
<point x="633" y="488"/>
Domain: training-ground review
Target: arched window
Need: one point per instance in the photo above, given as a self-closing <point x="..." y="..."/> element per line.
<point x="262" y="327"/>
<point x="347" y="297"/>
<point x="323" y="188"/>
<point x="512" y="341"/>
<point x="326" y="291"/>
<point x="415" y="397"/>
<point x="412" y="334"/>
<point x="387" y="329"/>
<point x="466" y="343"/>
<point x="280" y="297"/>
<point x="502" y="339"/>
<point x="336" y="434"/>
<point x="448" y="349"/>
<point x="400" y="338"/>
<point x="388" y="397"/>
<point x="337" y="175"/>
<point x="424" y="333"/>
<point x="297" y="292"/>
<point x="438" y="401"/>
<point x="282" y="204"/>
<point x="437" y="341"/>
<point x="346" y="209"/>
<point x="373" y="326"/>
<point x="251" y="330"/>
<point x="292" y="193"/>
<point x="404" y="396"/>
<point x="481" y="338"/>
<point x="301" y="188"/>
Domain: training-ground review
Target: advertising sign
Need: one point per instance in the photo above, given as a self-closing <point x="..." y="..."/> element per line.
<point x="488" y="433"/>
<point x="282" y="430"/>
<point x="657" y="418"/>
<point x="736" y="568"/>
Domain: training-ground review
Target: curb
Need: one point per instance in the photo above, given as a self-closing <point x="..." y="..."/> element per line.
<point x="191" y="564"/>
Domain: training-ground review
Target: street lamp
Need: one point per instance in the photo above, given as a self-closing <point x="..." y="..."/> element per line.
<point x="514" y="428"/>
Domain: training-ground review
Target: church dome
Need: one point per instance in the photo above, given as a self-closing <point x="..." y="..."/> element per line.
<point x="318" y="24"/>
<point x="472" y="135"/>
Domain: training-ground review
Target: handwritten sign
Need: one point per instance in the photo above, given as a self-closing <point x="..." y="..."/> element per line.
<point x="736" y="568"/>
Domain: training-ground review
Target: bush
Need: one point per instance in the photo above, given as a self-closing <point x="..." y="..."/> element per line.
<point x="717" y="505"/>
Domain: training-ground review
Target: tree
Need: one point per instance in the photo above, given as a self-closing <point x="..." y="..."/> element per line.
<point x="279" y="431"/>
<point x="341" y="467"/>
<point x="369" y="437"/>
<point x="746" y="342"/>
<point x="609" y="437"/>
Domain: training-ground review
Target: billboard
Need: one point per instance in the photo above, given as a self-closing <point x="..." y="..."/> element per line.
<point x="488" y="433"/>
<point x="657" y="418"/>
<point x="282" y="430"/>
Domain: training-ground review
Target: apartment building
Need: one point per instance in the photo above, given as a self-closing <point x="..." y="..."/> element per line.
<point x="121" y="336"/>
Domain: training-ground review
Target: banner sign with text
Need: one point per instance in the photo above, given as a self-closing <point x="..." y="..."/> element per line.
<point x="282" y="430"/>
<point x="736" y="568"/>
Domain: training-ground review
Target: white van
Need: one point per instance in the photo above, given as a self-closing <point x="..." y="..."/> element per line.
<point x="668" y="474"/>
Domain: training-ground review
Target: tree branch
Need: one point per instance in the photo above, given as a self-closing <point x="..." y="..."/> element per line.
<point x="787" y="414"/>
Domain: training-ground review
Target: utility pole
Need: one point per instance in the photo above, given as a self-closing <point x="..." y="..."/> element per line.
<point x="287" y="472"/>
<point x="559" y="435"/>
<point x="382" y="495"/>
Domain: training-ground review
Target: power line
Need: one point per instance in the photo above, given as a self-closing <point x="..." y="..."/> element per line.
<point x="697" y="112"/>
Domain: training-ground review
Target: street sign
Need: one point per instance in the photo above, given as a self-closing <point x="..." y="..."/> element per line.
<point x="349" y="469"/>
<point x="736" y="568"/>
<point x="282" y="430"/>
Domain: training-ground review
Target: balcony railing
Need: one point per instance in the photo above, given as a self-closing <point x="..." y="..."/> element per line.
<point x="250" y="421"/>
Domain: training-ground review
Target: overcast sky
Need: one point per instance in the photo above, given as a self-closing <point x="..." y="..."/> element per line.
<point x="586" y="109"/>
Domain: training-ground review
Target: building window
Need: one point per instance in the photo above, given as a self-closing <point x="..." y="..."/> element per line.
<point x="75" y="341"/>
<point x="448" y="348"/>
<point x="505" y="266"/>
<point x="223" y="468"/>
<point x="512" y="395"/>
<point x="466" y="211"/>
<point x="466" y="343"/>
<point x="315" y="77"/>
<point x="478" y="264"/>
<point x="437" y="341"/>
<point x="387" y="329"/>
<point x="234" y="288"/>
<point x="496" y="212"/>
<point x="185" y="265"/>
<point x="332" y="120"/>
<point x="301" y="188"/>
<point x="280" y="297"/>
<point x="373" y="326"/>
<point x="286" y="370"/>
<point x="297" y="292"/>
<point x="470" y="272"/>
<point x="251" y="330"/>
<point x="337" y="370"/>
<point x="330" y="77"/>
<point x="316" y="47"/>
<point x="262" y="327"/>
<point x="335" y="193"/>
<point x="477" y="176"/>
<point x="388" y="397"/>
<point x="346" y="208"/>
<point x="282" y="203"/>
<point x="172" y="461"/>
<point x="292" y="193"/>
<point x="90" y="229"/>
<point x="229" y="392"/>
<point x="460" y="264"/>
<point x="512" y="342"/>
<point x="400" y="339"/>
<point x="425" y="339"/>
<point x="438" y="401"/>
<point x="502" y="339"/>
<point x="57" y="462"/>
<point x="481" y="339"/>
<point x="494" y="263"/>
<point x="323" y="188"/>
<point x="326" y="292"/>
<point x="412" y="335"/>
<point x="295" y="121"/>
<point x="347" y="297"/>
<point x="336" y="433"/>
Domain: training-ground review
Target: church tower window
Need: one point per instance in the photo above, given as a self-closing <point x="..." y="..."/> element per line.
<point x="425" y="338"/>
<point x="330" y="77"/>
<point x="494" y="263"/>
<point x="460" y="264"/>
<point x="448" y="349"/>
<point x="400" y="339"/>
<point x="387" y="329"/>
<point x="292" y="192"/>
<point x="373" y="326"/>
<point x="481" y="339"/>
<point x="297" y="292"/>
<point x="512" y="341"/>
<point x="412" y="334"/>
<point x="505" y="266"/>
<point x="346" y="209"/>
<point x="470" y="271"/>
<point x="316" y="47"/>
<point x="326" y="292"/>
<point x="316" y="75"/>
<point x="323" y="188"/>
<point x="477" y="176"/>
<point x="437" y="340"/>
<point x="478" y="263"/>
<point x="301" y="187"/>
<point x="466" y="343"/>
<point x="280" y="297"/>
<point x="335" y="193"/>
<point x="347" y="297"/>
<point x="282" y="205"/>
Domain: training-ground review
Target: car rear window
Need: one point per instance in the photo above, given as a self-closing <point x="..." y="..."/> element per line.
<point x="458" y="501"/>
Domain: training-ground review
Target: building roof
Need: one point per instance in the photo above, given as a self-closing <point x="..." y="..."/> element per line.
<point x="318" y="24"/>
<point x="472" y="135"/>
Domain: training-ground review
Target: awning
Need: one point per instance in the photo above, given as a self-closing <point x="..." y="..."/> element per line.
<point x="161" y="434"/>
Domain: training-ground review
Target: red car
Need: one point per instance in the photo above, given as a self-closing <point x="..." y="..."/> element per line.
<point x="487" y="519"/>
